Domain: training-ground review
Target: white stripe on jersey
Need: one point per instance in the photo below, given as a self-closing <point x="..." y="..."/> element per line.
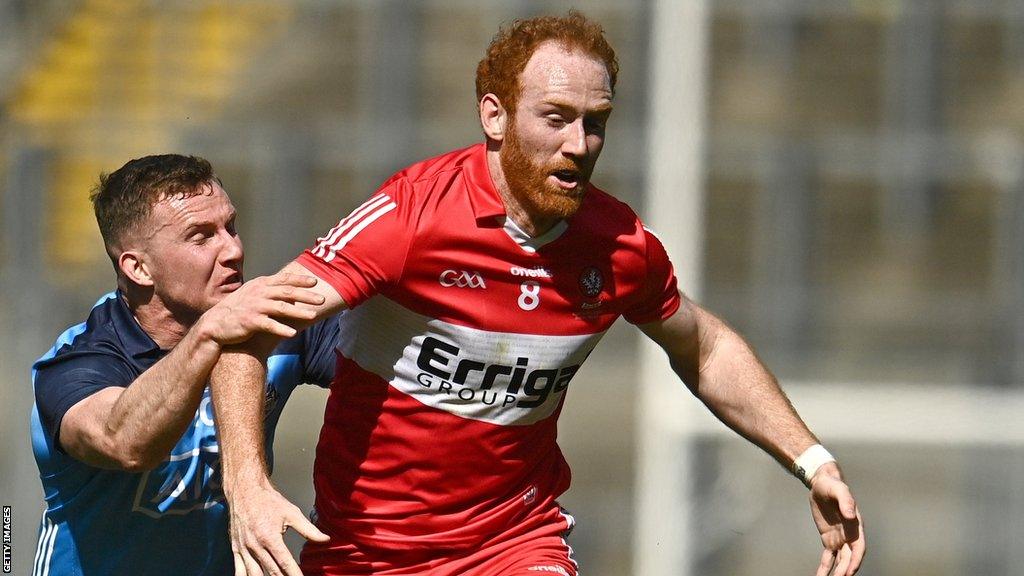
<point x="363" y="208"/>
<point x="49" y="550"/>
<point x="357" y="229"/>
<point x="44" y="530"/>
<point x="495" y="377"/>
<point x="326" y="243"/>
<point x="570" y="520"/>
<point x="44" y="551"/>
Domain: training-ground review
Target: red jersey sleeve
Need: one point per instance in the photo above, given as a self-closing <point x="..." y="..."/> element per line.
<point x="366" y="252"/>
<point x="660" y="293"/>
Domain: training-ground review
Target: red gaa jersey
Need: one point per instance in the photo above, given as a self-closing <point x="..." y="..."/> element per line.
<point x="465" y="333"/>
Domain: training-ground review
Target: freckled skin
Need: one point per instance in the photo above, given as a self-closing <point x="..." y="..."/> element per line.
<point x="194" y="256"/>
<point x="557" y="127"/>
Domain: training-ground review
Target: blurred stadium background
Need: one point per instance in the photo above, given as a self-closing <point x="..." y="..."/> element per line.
<point x="841" y="180"/>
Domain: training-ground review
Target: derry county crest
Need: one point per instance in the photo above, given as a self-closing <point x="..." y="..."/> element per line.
<point x="591" y="282"/>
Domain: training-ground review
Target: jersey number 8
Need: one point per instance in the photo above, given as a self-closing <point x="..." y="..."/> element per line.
<point x="529" y="297"/>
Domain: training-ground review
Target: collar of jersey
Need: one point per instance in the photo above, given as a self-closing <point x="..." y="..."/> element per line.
<point x="135" y="340"/>
<point x="533" y="243"/>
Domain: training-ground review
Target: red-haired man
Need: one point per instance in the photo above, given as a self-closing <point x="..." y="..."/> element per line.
<point x="479" y="281"/>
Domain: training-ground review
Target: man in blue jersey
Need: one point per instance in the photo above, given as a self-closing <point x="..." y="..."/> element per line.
<point x="122" y="427"/>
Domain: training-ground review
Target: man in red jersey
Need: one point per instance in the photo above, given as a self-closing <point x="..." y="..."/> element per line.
<point x="479" y="281"/>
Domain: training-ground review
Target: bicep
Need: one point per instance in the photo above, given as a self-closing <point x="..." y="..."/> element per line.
<point x="71" y="380"/>
<point x="688" y="337"/>
<point x="678" y="333"/>
<point x="83" y="429"/>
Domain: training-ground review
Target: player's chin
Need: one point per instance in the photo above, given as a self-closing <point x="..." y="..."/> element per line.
<point x="563" y="203"/>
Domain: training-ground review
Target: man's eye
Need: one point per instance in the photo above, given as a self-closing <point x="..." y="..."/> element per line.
<point x="555" y="120"/>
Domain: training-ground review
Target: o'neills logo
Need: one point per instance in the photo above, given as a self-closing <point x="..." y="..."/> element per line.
<point x="519" y="385"/>
<point x="530" y="272"/>
<point x="461" y="279"/>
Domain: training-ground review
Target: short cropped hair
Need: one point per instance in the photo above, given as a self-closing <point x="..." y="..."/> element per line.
<point x="124" y="198"/>
<point x="513" y="46"/>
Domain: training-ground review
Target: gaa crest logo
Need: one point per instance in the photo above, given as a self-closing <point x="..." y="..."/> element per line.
<point x="591" y="282"/>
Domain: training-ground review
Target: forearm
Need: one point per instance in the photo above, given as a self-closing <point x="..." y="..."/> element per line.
<point x="724" y="373"/>
<point x="150" y="416"/>
<point x="740" y="390"/>
<point x="237" y="386"/>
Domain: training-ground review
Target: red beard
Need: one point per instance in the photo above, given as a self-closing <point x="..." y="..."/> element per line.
<point x="529" y="184"/>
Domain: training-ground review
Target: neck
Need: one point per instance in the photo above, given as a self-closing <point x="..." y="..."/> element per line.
<point x="532" y="224"/>
<point x="157" y="321"/>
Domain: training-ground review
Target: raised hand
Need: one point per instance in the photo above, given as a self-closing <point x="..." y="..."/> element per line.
<point x="270" y="304"/>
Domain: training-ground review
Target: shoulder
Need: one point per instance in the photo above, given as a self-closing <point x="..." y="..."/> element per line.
<point x="96" y="339"/>
<point x="433" y="176"/>
<point x="602" y="216"/>
<point x="439" y="167"/>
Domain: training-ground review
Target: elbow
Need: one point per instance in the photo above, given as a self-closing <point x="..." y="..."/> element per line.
<point x="138" y="463"/>
<point x="132" y="458"/>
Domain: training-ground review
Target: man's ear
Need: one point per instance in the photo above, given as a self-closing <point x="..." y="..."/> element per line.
<point x="493" y="117"/>
<point x="133" y="265"/>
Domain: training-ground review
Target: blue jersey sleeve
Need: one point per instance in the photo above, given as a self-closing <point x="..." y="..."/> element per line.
<point x="62" y="382"/>
<point x="319" y="360"/>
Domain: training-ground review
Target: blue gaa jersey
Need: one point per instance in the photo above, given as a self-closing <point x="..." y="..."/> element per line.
<point x="170" y="520"/>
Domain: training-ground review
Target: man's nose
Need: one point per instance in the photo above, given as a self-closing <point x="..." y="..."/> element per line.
<point x="575" y="143"/>
<point x="232" y="248"/>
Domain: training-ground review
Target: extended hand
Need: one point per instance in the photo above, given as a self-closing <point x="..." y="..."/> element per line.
<point x="263" y="305"/>
<point x="839" y="523"/>
<point x="259" y="518"/>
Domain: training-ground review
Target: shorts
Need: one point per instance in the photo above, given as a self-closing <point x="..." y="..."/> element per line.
<point x="536" y="547"/>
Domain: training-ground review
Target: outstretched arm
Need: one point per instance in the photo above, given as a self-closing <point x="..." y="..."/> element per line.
<point x="259" y="514"/>
<point x="134" y="428"/>
<point x="721" y="369"/>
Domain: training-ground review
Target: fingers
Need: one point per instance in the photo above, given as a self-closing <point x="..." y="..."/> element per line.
<point x="271" y="326"/>
<point x="286" y="279"/>
<point x="239" y="564"/>
<point x="839" y="522"/>
<point x="847" y="505"/>
<point x="306" y="529"/>
<point x="267" y="553"/>
<point x="295" y="294"/>
<point x="828" y="559"/>
<point x="859" y="548"/>
<point x="244" y="563"/>
<point x="842" y="567"/>
<point x="276" y="558"/>
<point x="250" y="567"/>
<point x="267" y="562"/>
<point x="297" y="311"/>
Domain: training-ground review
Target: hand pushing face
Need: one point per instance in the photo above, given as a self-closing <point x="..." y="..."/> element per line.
<point x="193" y="251"/>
